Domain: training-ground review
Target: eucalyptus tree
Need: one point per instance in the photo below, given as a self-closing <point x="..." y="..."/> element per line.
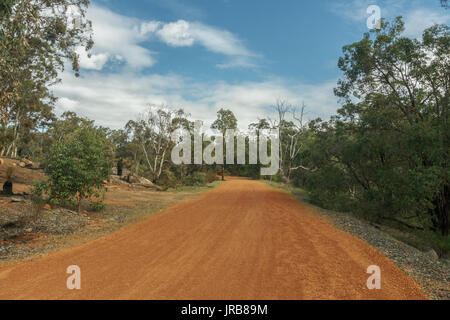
<point x="225" y="120"/>
<point x="151" y="131"/>
<point x="37" y="39"/>
<point x="391" y="137"/>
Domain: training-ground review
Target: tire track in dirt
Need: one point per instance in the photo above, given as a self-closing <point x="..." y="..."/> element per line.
<point x="241" y="240"/>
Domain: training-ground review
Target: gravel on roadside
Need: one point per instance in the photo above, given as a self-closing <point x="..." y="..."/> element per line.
<point x="431" y="273"/>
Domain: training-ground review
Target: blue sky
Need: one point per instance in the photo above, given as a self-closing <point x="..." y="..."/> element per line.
<point x="203" y="55"/>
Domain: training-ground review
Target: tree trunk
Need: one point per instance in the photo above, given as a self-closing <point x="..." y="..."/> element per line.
<point x="223" y="156"/>
<point x="79" y="205"/>
<point x="12" y="149"/>
<point x="441" y="211"/>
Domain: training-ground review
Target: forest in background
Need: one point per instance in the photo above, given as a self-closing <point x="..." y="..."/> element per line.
<point x="383" y="156"/>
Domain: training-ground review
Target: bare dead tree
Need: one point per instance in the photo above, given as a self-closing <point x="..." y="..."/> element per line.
<point x="281" y="107"/>
<point x="152" y="131"/>
<point x="295" y="139"/>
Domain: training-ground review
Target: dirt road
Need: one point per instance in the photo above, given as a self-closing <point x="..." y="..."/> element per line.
<point x="241" y="240"/>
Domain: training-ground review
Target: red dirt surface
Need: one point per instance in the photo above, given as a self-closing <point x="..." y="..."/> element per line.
<point x="241" y="240"/>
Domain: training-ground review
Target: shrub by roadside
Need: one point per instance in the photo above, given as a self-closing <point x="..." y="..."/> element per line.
<point x="76" y="168"/>
<point x="196" y="179"/>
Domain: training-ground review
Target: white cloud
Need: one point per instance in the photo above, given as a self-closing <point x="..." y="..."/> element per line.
<point x="95" y="62"/>
<point x="355" y="10"/>
<point x="418" y="20"/>
<point x="186" y="34"/>
<point x="176" y="34"/>
<point x="149" y="27"/>
<point x="219" y="41"/>
<point x="114" y="99"/>
<point x="237" y="62"/>
<point x="117" y="35"/>
<point x="416" y="17"/>
<point x="67" y="104"/>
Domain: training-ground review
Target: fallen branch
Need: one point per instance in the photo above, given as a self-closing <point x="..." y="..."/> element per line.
<point x="304" y="168"/>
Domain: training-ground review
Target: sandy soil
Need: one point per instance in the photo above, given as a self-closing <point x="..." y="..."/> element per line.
<point x="241" y="240"/>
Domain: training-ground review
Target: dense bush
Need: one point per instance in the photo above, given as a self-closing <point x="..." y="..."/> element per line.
<point x="76" y="167"/>
<point x="196" y="179"/>
<point x="247" y="170"/>
<point x="277" y="178"/>
<point x="168" y="179"/>
<point x="386" y="154"/>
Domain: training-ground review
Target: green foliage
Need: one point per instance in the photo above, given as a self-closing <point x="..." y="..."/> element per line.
<point x="36" y="39"/>
<point x="277" y="178"/>
<point x="225" y="120"/>
<point x="385" y="155"/>
<point x="196" y="179"/>
<point x="77" y="167"/>
<point x="98" y="206"/>
<point x="168" y="179"/>
<point x="437" y="241"/>
<point x="6" y="8"/>
<point x="150" y="138"/>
